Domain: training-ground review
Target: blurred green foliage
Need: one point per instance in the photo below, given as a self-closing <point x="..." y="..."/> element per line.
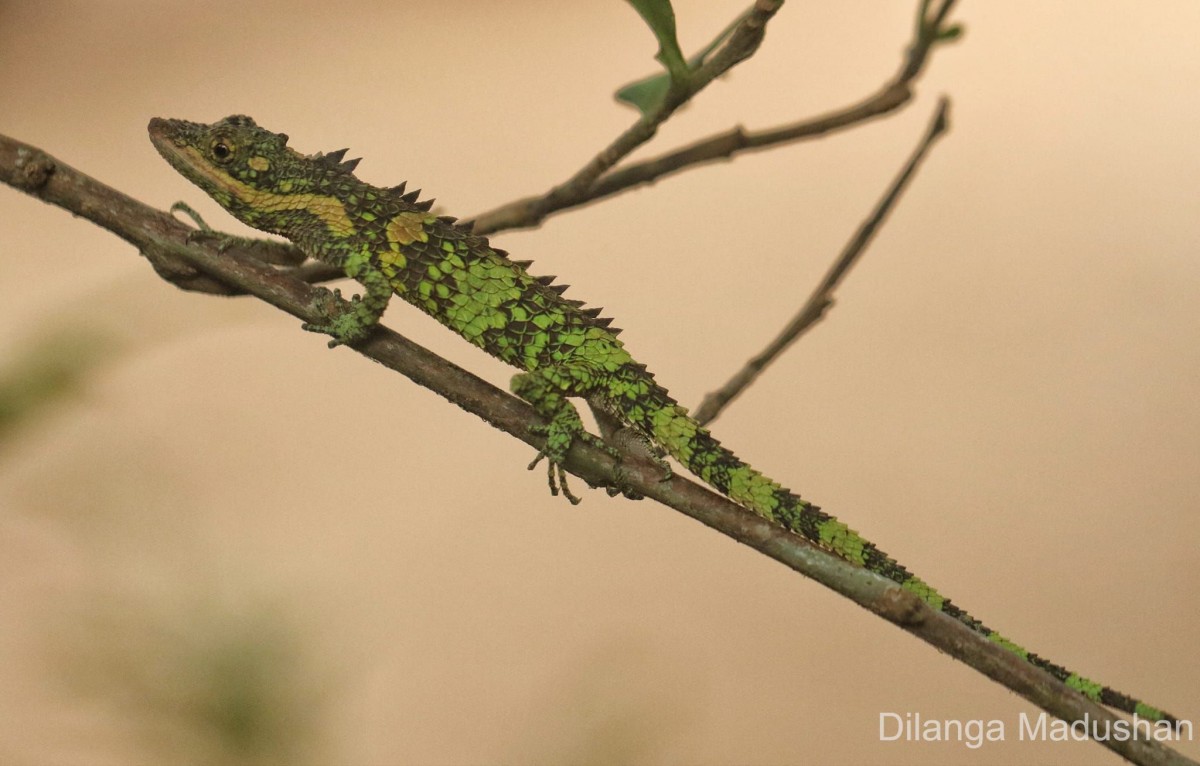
<point x="47" y="373"/>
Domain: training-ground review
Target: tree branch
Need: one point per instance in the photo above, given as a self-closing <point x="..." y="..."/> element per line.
<point x="821" y="299"/>
<point x="741" y="45"/>
<point x="201" y="266"/>
<point x="599" y="179"/>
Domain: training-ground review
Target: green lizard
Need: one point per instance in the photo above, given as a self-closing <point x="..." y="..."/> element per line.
<point x="388" y="241"/>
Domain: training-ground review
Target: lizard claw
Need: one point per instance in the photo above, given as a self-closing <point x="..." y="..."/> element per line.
<point x="556" y="477"/>
<point x="621" y="487"/>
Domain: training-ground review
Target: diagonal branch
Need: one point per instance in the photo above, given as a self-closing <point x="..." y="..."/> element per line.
<point x="201" y="266"/>
<point x="588" y="185"/>
<point x="821" y="299"/>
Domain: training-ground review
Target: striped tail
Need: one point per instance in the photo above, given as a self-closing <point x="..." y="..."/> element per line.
<point x="691" y="444"/>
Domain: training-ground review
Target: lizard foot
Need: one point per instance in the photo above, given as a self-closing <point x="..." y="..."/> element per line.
<point x="620" y="485"/>
<point x="561" y="433"/>
<point x="557" y="478"/>
<point x="345" y="319"/>
<point x="641" y="447"/>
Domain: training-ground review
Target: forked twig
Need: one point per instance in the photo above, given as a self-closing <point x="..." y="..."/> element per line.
<point x="599" y="178"/>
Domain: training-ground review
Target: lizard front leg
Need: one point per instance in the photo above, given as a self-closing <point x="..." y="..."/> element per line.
<point x="354" y="320"/>
<point x="547" y="389"/>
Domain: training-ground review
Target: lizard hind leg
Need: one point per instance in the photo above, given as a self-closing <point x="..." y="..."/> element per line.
<point x="547" y="390"/>
<point x="629" y="440"/>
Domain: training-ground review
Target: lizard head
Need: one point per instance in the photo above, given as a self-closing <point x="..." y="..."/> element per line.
<point x="252" y="173"/>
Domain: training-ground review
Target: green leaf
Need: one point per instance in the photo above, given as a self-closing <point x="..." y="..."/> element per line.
<point x="660" y="17"/>
<point x="950" y="33"/>
<point x="647" y="93"/>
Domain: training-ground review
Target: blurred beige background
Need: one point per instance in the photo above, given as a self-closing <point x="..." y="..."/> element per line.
<point x="232" y="545"/>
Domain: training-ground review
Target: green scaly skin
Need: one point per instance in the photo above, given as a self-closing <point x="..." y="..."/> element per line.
<point x="389" y="242"/>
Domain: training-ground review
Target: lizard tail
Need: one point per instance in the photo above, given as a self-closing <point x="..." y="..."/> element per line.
<point x="691" y="444"/>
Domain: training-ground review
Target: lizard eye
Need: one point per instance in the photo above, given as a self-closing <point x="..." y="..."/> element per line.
<point x="221" y="150"/>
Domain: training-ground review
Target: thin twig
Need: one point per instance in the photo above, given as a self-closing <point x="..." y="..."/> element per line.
<point x="741" y="45"/>
<point x="747" y="35"/>
<point x="821" y="299"/>
<point x="589" y="186"/>
<point x="201" y="265"/>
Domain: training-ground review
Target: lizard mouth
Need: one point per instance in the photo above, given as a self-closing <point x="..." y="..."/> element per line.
<point x="162" y="130"/>
<point x="163" y="134"/>
<point x="167" y="135"/>
<point x="173" y="139"/>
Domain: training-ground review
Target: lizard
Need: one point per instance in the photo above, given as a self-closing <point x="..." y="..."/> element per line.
<point x="389" y="241"/>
